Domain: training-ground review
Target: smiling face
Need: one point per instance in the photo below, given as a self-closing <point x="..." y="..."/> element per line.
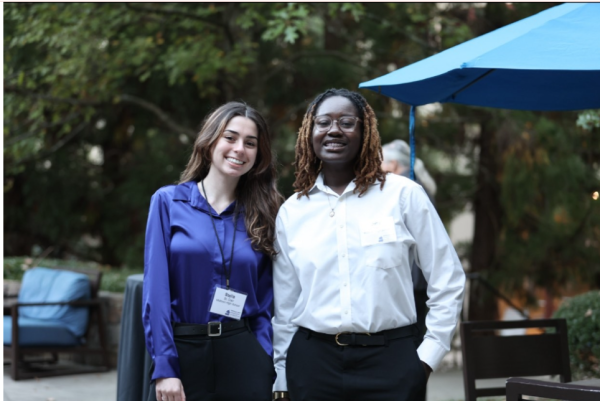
<point x="337" y="147"/>
<point x="234" y="153"/>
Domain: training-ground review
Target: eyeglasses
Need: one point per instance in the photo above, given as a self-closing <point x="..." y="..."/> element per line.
<point x="346" y="124"/>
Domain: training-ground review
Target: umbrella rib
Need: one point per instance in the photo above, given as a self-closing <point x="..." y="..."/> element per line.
<point x="471" y="83"/>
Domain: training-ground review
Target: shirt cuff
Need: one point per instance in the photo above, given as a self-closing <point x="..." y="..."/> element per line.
<point x="281" y="381"/>
<point x="431" y="353"/>
<point x="165" y="366"/>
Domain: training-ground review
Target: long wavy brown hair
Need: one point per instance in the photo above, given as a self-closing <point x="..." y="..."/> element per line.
<point x="257" y="189"/>
<point x="367" y="167"/>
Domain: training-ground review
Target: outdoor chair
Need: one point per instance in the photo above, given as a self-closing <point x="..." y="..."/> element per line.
<point x="517" y="387"/>
<point x="488" y="355"/>
<point x="53" y="314"/>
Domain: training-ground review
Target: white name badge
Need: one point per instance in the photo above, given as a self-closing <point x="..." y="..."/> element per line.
<point x="378" y="231"/>
<point x="227" y="302"/>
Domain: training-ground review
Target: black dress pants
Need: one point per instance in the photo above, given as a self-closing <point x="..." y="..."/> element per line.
<point x="320" y="370"/>
<point x="422" y="309"/>
<point x="231" y="367"/>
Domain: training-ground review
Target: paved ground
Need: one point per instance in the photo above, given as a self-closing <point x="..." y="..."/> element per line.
<point x="443" y="386"/>
<point x="89" y="387"/>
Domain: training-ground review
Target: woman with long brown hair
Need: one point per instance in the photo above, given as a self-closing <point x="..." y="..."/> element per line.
<point x="208" y="295"/>
<point x="345" y="321"/>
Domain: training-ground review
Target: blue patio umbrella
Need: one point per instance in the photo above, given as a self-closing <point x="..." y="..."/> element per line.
<point x="549" y="61"/>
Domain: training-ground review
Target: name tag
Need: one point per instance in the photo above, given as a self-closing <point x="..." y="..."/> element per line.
<point x="227" y="302"/>
<point x="378" y="231"/>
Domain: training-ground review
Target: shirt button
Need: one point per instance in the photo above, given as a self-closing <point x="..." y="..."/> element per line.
<point x="345" y="284"/>
<point x="341" y="226"/>
<point x="343" y="255"/>
<point x="346" y="312"/>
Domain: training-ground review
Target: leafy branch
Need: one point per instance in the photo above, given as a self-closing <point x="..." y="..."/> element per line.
<point x="62" y="142"/>
<point x="21" y="137"/>
<point x="157" y="111"/>
<point x="313" y="53"/>
<point x="172" y="12"/>
<point x="40" y="96"/>
<point x="162" y="115"/>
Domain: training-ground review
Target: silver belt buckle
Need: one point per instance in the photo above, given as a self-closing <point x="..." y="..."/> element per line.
<point x="212" y="325"/>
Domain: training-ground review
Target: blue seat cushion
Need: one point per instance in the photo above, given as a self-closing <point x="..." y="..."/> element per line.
<point x="39" y="333"/>
<point x="48" y="285"/>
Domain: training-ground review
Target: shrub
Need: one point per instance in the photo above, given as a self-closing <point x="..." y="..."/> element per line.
<point x="113" y="278"/>
<point x="583" y="320"/>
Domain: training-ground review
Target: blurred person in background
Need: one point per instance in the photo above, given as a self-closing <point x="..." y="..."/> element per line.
<point x="396" y="159"/>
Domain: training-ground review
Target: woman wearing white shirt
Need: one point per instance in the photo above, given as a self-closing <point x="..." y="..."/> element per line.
<point x="344" y="324"/>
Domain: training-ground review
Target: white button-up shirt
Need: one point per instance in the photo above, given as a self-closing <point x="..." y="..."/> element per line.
<point x="352" y="272"/>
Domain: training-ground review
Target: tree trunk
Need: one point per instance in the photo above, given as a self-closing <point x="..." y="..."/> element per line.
<point x="488" y="214"/>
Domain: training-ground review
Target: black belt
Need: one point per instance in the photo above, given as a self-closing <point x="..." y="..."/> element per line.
<point x="212" y="329"/>
<point x="366" y="339"/>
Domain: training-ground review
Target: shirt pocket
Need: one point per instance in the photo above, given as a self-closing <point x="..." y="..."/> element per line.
<point x="384" y="256"/>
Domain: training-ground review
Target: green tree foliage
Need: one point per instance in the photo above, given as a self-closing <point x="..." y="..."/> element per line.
<point x="550" y="231"/>
<point x="583" y="319"/>
<point x="103" y="100"/>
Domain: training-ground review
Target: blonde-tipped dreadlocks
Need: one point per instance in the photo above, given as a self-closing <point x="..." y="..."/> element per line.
<point x="367" y="167"/>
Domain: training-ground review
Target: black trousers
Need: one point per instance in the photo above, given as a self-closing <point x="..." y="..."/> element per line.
<point x="320" y="370"/>
<point x="233" y="366"/>
<point x="422" y="309"/>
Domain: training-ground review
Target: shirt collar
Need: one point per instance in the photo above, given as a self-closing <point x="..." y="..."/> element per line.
<point x="189" y="192"/>
<point x="320" y="185"/>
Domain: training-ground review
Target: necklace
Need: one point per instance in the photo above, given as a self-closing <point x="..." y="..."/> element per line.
<point x="332" y="213"/>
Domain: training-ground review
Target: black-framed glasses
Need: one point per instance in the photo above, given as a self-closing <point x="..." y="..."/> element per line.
<point x="346" y="124"/>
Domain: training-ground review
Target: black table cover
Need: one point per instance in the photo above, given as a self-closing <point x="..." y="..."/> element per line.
<point x="133" y="365"/>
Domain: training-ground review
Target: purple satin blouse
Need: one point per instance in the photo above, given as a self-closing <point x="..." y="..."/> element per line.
<point x="183" y="266"/>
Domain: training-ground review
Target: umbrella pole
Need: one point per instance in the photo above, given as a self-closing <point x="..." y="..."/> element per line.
<point x="411" y="129"/>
